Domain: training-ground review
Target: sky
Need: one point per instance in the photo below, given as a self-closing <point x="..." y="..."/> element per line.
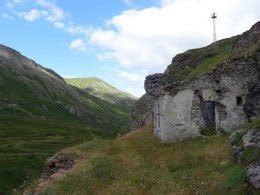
<point x="119" y="41"/>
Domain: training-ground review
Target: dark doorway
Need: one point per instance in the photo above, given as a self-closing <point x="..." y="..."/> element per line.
<point x="209" y="118"/>
<point x="239" y="101"/>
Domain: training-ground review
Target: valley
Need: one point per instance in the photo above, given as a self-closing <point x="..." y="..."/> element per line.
<point x="40" y="114"/>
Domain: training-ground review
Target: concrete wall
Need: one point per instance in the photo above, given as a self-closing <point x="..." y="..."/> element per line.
<point x="173" y="117"/>
<point x="178" y="117"/>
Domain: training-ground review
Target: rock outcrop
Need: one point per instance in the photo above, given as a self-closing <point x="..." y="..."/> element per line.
<point x="246" y="151"/>
<point x="57" y="163"/>
<point x="253" y="174"/>
<point x="209" y="90"/>
<point x="142" y="112"/>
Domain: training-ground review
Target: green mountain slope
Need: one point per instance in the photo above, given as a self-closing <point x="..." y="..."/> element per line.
<point x="40" y="114"/>
<point x="103" y="90"/>
<point x="28" y="89"/>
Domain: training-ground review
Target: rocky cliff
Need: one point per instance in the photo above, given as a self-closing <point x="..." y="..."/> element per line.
<point x="207" y="90"/>
<point x="142" y="113"/>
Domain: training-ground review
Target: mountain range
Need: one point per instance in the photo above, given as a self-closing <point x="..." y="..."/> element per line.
<point x="40" y="114"/>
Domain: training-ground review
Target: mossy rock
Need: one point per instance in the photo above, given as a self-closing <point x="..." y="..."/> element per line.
<point x="236" y="138"/>
<point x="249" y="155"/>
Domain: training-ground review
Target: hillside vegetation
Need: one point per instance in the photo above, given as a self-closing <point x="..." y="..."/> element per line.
<point x="138" y="163"/>
<point x="103" y="90"/>
<point x="41" y="114"/>
<point x="25" y="143"/>
<point x="196" y="62"/>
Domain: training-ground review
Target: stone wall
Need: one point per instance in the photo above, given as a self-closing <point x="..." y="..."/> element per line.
<point x="173" y="120"/>
<point x="179" y="114"/>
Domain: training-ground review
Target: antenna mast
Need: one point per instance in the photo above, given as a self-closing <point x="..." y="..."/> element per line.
<point x="214" y="16"/>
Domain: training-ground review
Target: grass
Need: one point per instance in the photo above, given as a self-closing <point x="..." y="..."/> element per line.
<point x="250" y="155"/>
<point x="254" y="124"/>
<point x="211" y="56"/>
<point x="18" y="169"/>
<point x="236" y="175"/>
<point x="25" y="143"/>
<point x="138" y="163"/>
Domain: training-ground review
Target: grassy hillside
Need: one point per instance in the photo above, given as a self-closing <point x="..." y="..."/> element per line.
<point x="25" y="143"/>
<point x="195" y="62"/>
<point x="56" y="100"/>
<point x="41" y="114"/>
<point x="138" y="163"/>
<point x="212" y="56"/>
<point x="103" y="90"/>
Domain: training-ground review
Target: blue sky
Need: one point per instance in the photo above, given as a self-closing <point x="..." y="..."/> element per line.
<point x="119" y="41"/>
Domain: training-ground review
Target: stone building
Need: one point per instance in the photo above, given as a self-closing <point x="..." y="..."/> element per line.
<point x="211" y="103"/>
<point x="209" y="90"/>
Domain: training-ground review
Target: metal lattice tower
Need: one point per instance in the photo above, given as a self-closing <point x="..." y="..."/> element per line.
<point x="214" y="16"/>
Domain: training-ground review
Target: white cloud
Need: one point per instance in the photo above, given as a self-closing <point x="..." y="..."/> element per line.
<point x="40" y="9"/>
<point x="78" y="45"/>
<point x="130" y="76"/>
<point x="31" y="15"/>
<point x="150" y="37"/>
<point x="135" y="82"/>
<point x="56" y="14"/>
<point x="138" y="92"/>
<point x="59" y="24"/>
<point x="77" y="29"/>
